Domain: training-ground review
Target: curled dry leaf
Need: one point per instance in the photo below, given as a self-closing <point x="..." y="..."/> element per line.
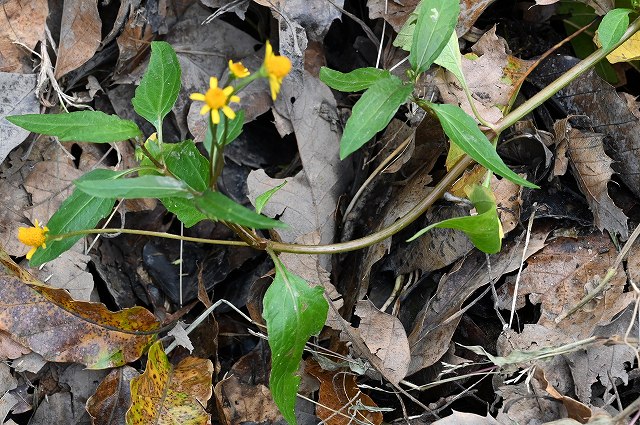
<point x="61" y="329"/>
<point x="111" y="400"/>
<point x="239" y="402"/>
<point x="385" y="337"/>
<point x="591" y="167"/>
<point x="340" y="393"/>
<point x="167" y="395"/>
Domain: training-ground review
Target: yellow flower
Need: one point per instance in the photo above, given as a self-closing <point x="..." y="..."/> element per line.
<point x="238" y="70"/>
<point x="33" y="237"/>
<point x="276" y="68"/>
<point x="215" y="99"/>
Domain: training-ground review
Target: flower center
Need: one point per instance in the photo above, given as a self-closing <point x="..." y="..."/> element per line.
<point x="215" y="98"/>
<point x="31" y="236"/>
<point x="278" y="66"/>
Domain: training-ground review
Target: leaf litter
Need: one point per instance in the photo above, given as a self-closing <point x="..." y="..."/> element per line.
<point x="442" y="295"/>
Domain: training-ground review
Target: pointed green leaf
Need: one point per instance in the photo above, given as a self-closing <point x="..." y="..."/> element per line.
<point x="436" y="21"/>
<point x="81" y="126"/>
<point x="612" y="27"/>
<point x="78" y="212"/>
<point x="451" y="59"/>
<point x="372" y="112"/>
<point x="293" y="312"/>
<point x="160" y="85"/>
<point x="136" y="187"/>
<point x="484" y="229"/>
<point x="184" y="209"/>
<point x="405" y="36"/>
<point x="261" y="200"/>
<point x="464" y="131"/>
<point x="217" y="206"/>
<point x="186" y="162"/>
<point x="356" y="80"/>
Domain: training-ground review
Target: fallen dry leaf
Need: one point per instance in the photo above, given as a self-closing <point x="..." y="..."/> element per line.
<point x="111" y="400"/>
<point x="51" y="323"/>
<point x="627" y="52"/>
<point x="239" y="402"/>
<point x="340" y="393"/>
<point x="314" y="15"/>
<point x="385" y="337"/>
<point x="80" y="35"/>
<point x="167" y="395"/>
<point x="575" y="409"/>
<point x="20" y="22"/>
<point x="18" y="97"/>
<point x="592" y="169"/>
<point x="462" y="418"/>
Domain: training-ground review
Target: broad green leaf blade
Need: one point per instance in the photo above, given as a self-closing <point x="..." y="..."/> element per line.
<point x="372" y="112"/>
<point x="234" y="128"/>
<point x="136" y="187"/>
<point x="356" y="80"/>
<point x="484" y="229"/>
<point x="217" y="206"/>
<point x="82" y="126"/>
<point x="612" y="27"/>
<point x="160" y="85"/>
<point x="464" y="131"/>
<point x="405" y="36"/>
<point x="78" y="212"/>
<point x="451" y="59"/>
<point x="293" y="312"/>
<point x="184" y="209"/>
<point x="186" y="162"/>
<point x="261" y="200"/>
<point x="436" y="21"/>
<point x="167" y="395"/>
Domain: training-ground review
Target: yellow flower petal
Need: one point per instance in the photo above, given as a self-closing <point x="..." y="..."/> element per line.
<point x="213" y="83"/>
<point x="31" y="252"/>
<point x="227" y="91"/>
<point x="215" y="116"/>
<point x="230" y="113"/>
<point x="197" y="96"/>
<point x="235" y="99"/>
<point x="204" y="109"/>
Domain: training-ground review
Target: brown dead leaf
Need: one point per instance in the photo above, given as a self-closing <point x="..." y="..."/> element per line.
<point x="18" y="97"/>
<point x="15" y="201"/>
<point x="491" y="74"/>
<point x="308" y="201"/>
<point x="314" y="15"/>
<point x="437" y="322"/>
<point x="592" y="169"/>
<point x="80" y="35"/>
<point x="239" y="402"/>
<point x="132" y="43"/>
<point x="608" y="113"/>
<point x="9" y="349"/>
<point x="575" y="409"/>
<point x="51" y="323"/>
<point x="600" y="6"/>
<point x="68" y="271"/>
<point x="340" y="393"/>
<point x="385" y="337"/>
<point x="20" y="22"/>
<point x="111" y="400"/>
<point x="167" y="395"/>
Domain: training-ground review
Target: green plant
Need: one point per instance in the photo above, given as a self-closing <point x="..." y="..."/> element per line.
<point x="185" y="181"/>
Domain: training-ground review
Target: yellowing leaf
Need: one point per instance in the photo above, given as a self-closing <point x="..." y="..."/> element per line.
<point x="48" y="321"/>
<point x="165" y="395"/>
<point x="628" y="51"/>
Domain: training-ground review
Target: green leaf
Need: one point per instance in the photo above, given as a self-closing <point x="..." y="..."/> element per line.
<point x="484" y="229"/>
<point x="464" y="131"/>
<point x="261" y="200"/>
<point x="451" y="60"/>
<point x="136" y="187"/>
<point x="405" y="36"/>
<point x="184" y="209"/>
<point x="436" y="21"/>
<point x="612" y="27"/>
<point x="160" y="85"/>
<point x="217" y="206"/>
<point x="234" y="128"/>
<point x="82" y="126"/>
<point x="293" y="312"/>
<point x="356" y="80"/>
<point x="78" y="212"/>
<point x="186" y="162"/>
<point x="372" y="112"/>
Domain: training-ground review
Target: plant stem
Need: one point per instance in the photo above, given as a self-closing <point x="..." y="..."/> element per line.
<point x="144" y="233"/>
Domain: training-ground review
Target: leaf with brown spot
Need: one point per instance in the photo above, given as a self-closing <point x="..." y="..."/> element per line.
<point x="49" y="322"/>
<point x="109" y="404"/>
<point x="164" y="395"/>
<point x="591" y="167"/>
<point x="340" y="393"/>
